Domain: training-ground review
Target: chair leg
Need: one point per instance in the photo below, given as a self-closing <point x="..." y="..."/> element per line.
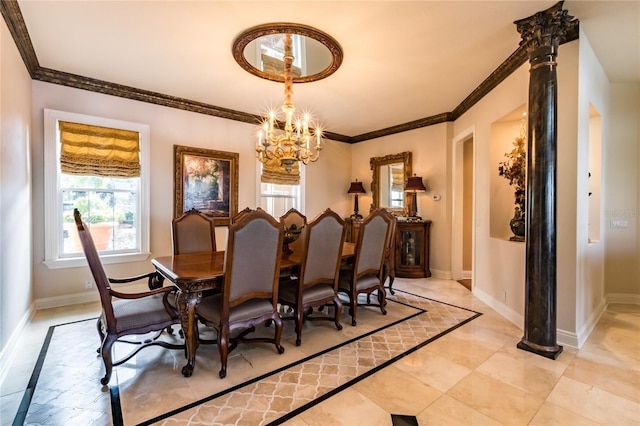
<point x="223" y="346"/>
<point x="299" y="323"/>
<point x="382" y="299"/>
<point x="105" y="351"/>
<point x="353" y="301"/>
<point x="100" y="333"/>
<point x="278" y="334"/>
<point x="338" y="312"/>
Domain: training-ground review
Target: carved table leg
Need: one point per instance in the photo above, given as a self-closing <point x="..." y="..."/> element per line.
<point x="187" y="302"/>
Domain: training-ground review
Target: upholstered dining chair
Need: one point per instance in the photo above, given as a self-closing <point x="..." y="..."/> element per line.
<point x="367" y="274"/>
<point x="389" y="257"/>
<point x="193" y="232"/>
<point x="293" y="218"/>
<point x="317" y="281"/>
<point x="125" y="314"/>
<point x="240" y="214"/>
<point x="250" y="289"/>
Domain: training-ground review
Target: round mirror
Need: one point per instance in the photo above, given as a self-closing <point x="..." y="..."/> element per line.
<point x="260" y="51"/>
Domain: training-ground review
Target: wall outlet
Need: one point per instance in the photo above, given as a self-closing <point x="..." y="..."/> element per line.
<point x="88" y="284"/>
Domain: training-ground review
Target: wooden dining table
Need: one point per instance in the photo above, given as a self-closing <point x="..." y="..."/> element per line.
<point x="195" y="273"/>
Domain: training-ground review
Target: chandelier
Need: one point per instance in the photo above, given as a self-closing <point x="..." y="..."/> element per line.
<point x="297" y="143"/>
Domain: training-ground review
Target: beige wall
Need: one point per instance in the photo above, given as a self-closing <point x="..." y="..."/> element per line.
<point x="621" y="198"/>
<point x="327" y="180"/>
<point x="15" y="193"/>
<point x="429" y="151"/>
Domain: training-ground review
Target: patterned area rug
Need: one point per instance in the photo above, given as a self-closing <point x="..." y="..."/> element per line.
<point x="261" y="387"/>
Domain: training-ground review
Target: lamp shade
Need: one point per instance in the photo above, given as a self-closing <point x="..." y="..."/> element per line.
<point x="414" y="184"/>
<point x="356" y="188"/>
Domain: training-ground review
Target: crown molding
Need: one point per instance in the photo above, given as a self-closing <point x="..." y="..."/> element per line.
<point x="13" y="17"/>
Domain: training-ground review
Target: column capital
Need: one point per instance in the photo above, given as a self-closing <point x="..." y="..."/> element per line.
<point x="545" y="29"/>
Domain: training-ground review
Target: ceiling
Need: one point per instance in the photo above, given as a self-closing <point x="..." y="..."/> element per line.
<point x="403" y="60"/>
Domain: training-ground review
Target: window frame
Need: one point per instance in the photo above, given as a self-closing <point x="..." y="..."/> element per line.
<point x="53" y="193"/>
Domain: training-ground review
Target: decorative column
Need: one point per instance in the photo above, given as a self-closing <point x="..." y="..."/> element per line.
<point x="541" y="34"/>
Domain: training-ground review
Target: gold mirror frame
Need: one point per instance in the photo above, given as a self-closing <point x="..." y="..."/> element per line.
<point x="375" y="163"/>
<point x="256" y="32"/>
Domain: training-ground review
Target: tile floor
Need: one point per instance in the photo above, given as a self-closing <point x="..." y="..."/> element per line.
<point x="473" y="375"/>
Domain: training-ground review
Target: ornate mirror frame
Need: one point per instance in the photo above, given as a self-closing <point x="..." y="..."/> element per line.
<point x="375" y="163"/>
<point x="256" y="32"/>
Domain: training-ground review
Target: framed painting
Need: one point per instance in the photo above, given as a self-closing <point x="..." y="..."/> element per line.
<point x="206" y="180"/>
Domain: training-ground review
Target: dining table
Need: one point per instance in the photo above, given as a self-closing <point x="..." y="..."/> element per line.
<point x="195" y="273"/>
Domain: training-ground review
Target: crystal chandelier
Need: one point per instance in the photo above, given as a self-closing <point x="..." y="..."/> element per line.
<point x="297" y="143"/>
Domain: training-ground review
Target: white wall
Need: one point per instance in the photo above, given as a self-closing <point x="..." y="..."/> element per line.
<point x="498" y="274"/>
<point x="327" y="179"/>
<point x="15" y="193"/>
<point x="593" y="91"/>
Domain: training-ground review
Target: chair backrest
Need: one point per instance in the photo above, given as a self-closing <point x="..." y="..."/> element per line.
<point x="240" y="214"/>
<point x="321" y="256"/>
<point x="97" y="270"/>
<point x="392" y="235"/>
<point x="252" y="259"/>
<point x="372" y="243"/>
<point x="193" y="232"/>
<point x="294" y="217"/>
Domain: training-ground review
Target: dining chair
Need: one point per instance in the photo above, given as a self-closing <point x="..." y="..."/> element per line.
<point x="125" y="314"/>
<point x="317" y="282"/>
<point x="240" y="214"/>
<point x="193" y="232"/>
<point x="366" y="274"/>
<point x="249" y="293"/>
<point x="389" y="258"/>
<point x="292" y="221"/>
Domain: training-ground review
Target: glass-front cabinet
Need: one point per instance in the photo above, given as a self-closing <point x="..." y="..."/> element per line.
<point x="412" y="249"/>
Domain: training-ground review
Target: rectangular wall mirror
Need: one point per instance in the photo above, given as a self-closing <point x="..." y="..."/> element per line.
<point x="389" y="176"/>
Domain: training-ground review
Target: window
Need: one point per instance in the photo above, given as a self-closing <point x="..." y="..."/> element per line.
<point x="114" y="208"/>
<point x="277" y="199"/>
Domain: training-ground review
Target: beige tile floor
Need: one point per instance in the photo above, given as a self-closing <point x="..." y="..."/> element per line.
<point x="473" y="375"/>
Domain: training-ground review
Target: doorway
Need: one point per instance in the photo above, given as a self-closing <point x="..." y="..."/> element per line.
<point x="463" y="229"/>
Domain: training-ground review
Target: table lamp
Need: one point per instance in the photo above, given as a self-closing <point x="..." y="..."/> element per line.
<point x="413" y="186"/>
<point x="356" y="188"/>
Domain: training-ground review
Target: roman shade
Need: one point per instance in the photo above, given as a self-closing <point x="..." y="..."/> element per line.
<point x="273" y="172"/>
<point x="99" y="151"/>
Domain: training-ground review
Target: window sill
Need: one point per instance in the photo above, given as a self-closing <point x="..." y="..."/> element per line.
<point x="77" y="262"/>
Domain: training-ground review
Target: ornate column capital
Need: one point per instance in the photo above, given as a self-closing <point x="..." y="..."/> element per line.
<point x="545" y="29"/>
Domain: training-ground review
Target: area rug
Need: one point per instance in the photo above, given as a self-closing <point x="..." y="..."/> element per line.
<point x="261" y="387"/>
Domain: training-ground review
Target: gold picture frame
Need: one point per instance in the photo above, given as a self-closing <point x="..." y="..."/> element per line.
<point x="207" y="180"/>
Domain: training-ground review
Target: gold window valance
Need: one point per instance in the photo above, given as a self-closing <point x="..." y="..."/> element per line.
<point x="99" y="151"/>
<point x="273" y="172"/>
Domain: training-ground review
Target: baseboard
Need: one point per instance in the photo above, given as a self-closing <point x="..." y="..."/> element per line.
<point x="511" y="315"/>
<point x="71" y="299"/>
<point x="590" y="324"/>
<point x="438" y="273"/>
<point x="622" y="298"/>
<point x="9" y="351"/>
<point x="467" y="275"/>
<point x="567" y="338"/>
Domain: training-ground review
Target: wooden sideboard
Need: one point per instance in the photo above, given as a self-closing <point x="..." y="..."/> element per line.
<point x="411" y="246"/>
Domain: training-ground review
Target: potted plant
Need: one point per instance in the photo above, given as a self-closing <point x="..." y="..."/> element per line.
<point x="514" y="170"/>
